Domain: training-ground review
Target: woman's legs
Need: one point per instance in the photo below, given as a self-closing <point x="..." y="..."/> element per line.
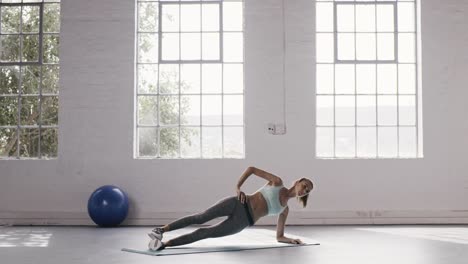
<point x="224" y="207"/>
<point x="235" y="223"/>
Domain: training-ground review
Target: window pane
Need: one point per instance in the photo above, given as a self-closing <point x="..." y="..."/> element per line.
<point x="49" y="110"/>
<point x="366" y="110"/>
<point x="8" y="140"/>
<point x="212" y="142"/>
<point x="407" y="142"/>
<point x="346" y="49"/>
<point x="169" y="142"/>
<point x="211" y="109"/>
<point x="8" y="111"/>
<point x="147" y="141"/>
<point x="211" y="78"/>
<point x="147" y="78"/>
<point x="344" y="110"/>
<point x="147" y="110"/>
<point x="50" y="78"/>
<point x="324" y="19"/>
<point x="9" y="79"/>
<point x="344" y="79"/>
<point x="366" y="46"/>
<point x="407" y="110"/>
<point x="190" y="46"/>
<point x="169" y="78"/>
<point x="170" y="46"/>
<point x="10" y="51"/>
<point x="366" y="78"/>
<point x="30" y="48"/>
<point x="29" y="142"/>
<point x="190" y="20"/>
<point x="385" y="46"/>
<point x="29" y="110"/>
<point x="190" y="110"/>
<point x="233" y="47"/>
<point x="190" y="142"/>
<point x="51" y="48"/>
<point x="190" y="78"/>
<point x="406" y="79"/>
<point x="406" y="19"/>
<point x="233" y="80"/>
<point x="388" y="142"/>
<point x="51" y="19"/>
<point x="49" y="142"/>
<point x="233" y="142"/>
<point x="387" y="110"/>
<point x="385" y="15"/>
<point x="324" y="142"/>
<point x="30" y="19"/>
<point x="345" y="141"/>
<point x="232" y="16"/>
<point x="148" y="47"/>
<point x="233" y="110"/>
<point x="148" y="16"/>
<point x="210" y="17"/>
<point x="386" y="79"/>
<point x="365" y="18"/>
<point x="324" y="79"/>
<point x="345" y="18"/>
<point x="406" y="47"/>
<point x="366" y="142"/>
<point x="325" y="47"/>
<point x="211" y="46"/>
<point x="169" y="110"/>
<point x="170" y="18"/>
<point x="10" y="19"/>
<point x="325" y="115"/>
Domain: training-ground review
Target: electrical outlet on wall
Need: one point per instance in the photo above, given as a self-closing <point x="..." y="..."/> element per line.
<point x="276" y="129"/>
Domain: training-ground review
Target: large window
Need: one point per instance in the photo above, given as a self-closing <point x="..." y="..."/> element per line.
<point x="189" y="79"/>
<point x="368" y="93"/>
<point x="29" y="70"/>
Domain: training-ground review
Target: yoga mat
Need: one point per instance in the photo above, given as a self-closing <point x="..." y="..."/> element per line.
<point x="249" y="239"/>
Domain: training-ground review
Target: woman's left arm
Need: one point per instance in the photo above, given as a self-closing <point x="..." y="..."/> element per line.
<point x="280" y="229"/>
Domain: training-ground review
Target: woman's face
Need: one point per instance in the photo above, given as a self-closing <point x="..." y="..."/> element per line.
<point x="303" y="187"/>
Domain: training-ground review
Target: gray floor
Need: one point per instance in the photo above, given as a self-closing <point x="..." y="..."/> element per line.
<point x="339" y="244"/>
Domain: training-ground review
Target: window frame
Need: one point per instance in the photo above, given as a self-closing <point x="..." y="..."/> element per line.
<point x="330" y="150"/>
<point x="20" y="64"/>
<point x="223" y="125"/>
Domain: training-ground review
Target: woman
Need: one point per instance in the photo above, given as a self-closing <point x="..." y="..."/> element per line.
<point x="242" y="211"/>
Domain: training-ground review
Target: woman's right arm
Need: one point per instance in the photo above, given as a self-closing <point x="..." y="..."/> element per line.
<point x="260" y="173"/>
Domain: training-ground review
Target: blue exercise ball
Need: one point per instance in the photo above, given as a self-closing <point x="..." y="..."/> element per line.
<point x="108" y="206"/>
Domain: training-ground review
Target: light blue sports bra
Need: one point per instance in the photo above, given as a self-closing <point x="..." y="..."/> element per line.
<point x="271" y="195"/>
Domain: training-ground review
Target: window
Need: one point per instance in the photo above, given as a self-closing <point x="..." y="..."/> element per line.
<point x="189" y="79"/>
<point x="29" y="72"/>
<point x="368" y="94"/>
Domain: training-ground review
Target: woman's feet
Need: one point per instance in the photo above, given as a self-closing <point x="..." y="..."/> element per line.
<point x="156" y="236"/>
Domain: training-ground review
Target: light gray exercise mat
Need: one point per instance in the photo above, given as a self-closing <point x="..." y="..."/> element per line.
<point x="249" y="239"/>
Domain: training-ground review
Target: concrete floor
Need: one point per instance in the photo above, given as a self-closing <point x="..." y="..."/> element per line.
<point x="339" y="244"/>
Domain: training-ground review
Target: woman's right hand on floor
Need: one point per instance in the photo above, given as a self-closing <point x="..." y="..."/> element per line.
<point x="290" y="240"/>
<point x="240" y="196"/>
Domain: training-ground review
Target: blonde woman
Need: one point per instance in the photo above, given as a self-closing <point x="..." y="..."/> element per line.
<point x="241" y="210"/>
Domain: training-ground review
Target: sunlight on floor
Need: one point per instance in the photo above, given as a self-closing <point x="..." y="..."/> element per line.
<point x="24" y="238"/>
<point x="447" y="234"/>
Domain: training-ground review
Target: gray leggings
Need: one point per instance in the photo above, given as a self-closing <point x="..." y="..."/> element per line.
<point x="238" y="218"/>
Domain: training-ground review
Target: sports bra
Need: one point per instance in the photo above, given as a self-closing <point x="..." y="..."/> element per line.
<point x="271" y="195"/>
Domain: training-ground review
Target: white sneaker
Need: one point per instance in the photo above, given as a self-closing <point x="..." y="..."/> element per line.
<point x="155" y="244"/>
<point x="156" y="234"/>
